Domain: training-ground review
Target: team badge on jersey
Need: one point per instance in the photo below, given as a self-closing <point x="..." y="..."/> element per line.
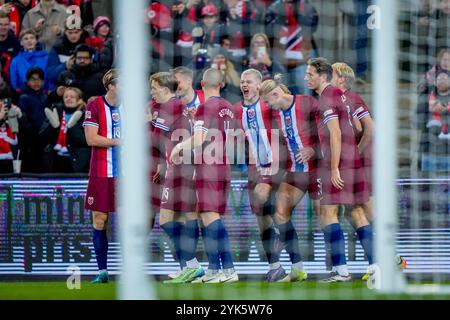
<point x="90" y="201"/>
<point x="116" y="117"/>
<point x="155" y="115"/>
<point x="251" y="113"/>
<point x="88" y="115"/>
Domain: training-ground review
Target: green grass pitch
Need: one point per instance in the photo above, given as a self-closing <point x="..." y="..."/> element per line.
<point x="250" y="290"/>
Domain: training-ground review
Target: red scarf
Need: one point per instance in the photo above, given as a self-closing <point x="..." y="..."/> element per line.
<point x="61" y="144"/>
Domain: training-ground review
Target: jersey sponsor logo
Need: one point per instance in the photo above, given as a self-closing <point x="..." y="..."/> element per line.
<point x="88" y="115"/>
<point x="116" y="117"/>
<point x="90" y="201"/>
<point x="343" y="98"/>
<point x="328" y="112"/>
<point x="160" y="120"/>
<point x="199" y="123"/>
<point x="155" y="115"/>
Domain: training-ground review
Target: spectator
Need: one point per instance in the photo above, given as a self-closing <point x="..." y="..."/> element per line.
<point x="8" y="138"/>
<point x="22" y="6"/>
<point x="440" y="26"/>
<point x="32" y="55"/>
<point x="261" y="58"/>
<point x="439" y="105"/>
<point x="61" y="56"/>
<point x="63" y="130"/>
<point x="206" y="35"/>
<point x="84" y="74"/>
<point x="442" y="63"/>
<point x="9" y="44"/>
<point x="291" y="24"/>
<point x="32" y="103"/>
<point x="102" y="30"/>
<point x="240" y="21"/>
<point x="108" y="54"/>
<point x="47" y="19"/>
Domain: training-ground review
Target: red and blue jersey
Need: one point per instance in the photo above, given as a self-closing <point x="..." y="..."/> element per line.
<point x="255" y="120"/>
<point x="99" y="114"/>
<point x="299" y="130"/>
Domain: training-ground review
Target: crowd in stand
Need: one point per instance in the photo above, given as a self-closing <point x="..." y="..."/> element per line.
<point x="53" y="54"/>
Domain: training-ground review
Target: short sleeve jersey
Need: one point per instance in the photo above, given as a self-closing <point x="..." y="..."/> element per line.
<point x="99" y="114"/>
<point x="332" y="106"/>
<point x="214" y="117"/>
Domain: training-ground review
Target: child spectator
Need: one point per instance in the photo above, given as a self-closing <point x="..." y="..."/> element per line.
<point x="31" y="55"/>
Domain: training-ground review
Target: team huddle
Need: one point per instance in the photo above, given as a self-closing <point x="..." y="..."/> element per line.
<point x="294" y="144"/>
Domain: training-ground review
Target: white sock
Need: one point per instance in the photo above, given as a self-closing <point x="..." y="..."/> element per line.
<point x="275" y="265"/>
<point x="192" y="264"/>
<point x="298" y="266"/>
<point x="342" y="270"/>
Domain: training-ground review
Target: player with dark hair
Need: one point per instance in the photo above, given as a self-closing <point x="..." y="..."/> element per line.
<point x="214" y="120"/>
<point x="170" y="123"/>
<point x="102" y="130"/>
<point x="340" y="170"/>
<point x="296" y="118"/>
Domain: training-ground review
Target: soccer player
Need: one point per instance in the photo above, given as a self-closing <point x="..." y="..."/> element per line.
<point x="344" y="78"/>
<point x="214" y="120"/>
<point x="190" y="97"/>
<point x="340" y="170"/>
<point x="171" y="123"/>
<point x="256" y="121"/>
<point x="102" y="130"/>
<point x="296" y="118"/>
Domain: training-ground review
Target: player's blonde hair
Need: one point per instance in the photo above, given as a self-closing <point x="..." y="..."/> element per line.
<point x="343" y="70"/>
<point x="254" y="72"/>
<point x="271" y="84"/>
